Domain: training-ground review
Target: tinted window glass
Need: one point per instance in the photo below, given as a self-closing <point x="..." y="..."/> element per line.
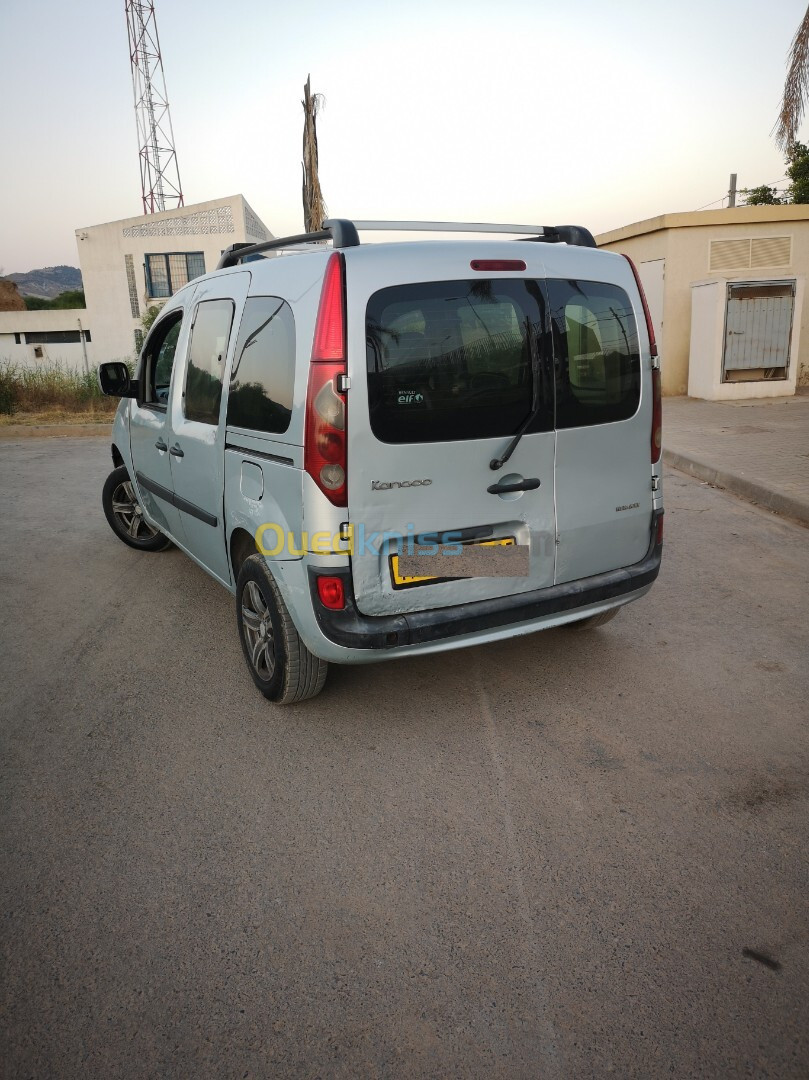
<point x="596" y="353"/>
<point x="206" y="360"/>
<point x="160" y="359"/>
<point x="450" y="360"/>
<point x="264" y="367"/>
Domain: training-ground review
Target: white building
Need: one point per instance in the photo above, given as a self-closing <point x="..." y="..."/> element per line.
<point x="127" y="266"/>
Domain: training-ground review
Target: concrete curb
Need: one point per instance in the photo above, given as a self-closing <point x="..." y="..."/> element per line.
<point x="44" y="431"/>
<point x="740" y="485"/>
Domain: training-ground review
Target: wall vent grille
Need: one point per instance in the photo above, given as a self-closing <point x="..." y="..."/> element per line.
<point x="219" y="219"/>
<point x="750" y="253"/>
<point x="134" y="303"/>
<point x="771" y="251"/>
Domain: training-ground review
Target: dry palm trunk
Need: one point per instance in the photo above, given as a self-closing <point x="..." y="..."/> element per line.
<point x="314" y="209"/>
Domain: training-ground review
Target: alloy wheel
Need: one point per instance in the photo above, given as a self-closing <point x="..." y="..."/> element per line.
<point x="128" y="513"/>
<point x="258" y="631"/>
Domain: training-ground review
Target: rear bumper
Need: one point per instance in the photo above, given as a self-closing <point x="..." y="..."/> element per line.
<point x="350" y="629"/>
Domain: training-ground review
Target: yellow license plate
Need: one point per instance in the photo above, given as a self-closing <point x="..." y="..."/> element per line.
<point x="402" y="582"/>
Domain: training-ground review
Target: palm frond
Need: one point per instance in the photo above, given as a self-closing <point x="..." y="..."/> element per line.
<point x="796" y="88"/>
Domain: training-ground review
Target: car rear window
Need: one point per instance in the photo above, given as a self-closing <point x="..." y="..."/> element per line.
<point x="596" y="352"/>
<point x="450" y="360"/>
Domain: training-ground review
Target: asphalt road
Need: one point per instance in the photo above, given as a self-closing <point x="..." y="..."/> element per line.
<point x="543" y="858"/>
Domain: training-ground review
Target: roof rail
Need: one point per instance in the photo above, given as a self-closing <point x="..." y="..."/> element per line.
<point x="549" y="234"/>
<point x="343" y="233"/>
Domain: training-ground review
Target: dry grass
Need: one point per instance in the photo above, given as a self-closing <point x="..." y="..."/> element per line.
<point x="55" y="416"/>
<point x="51" y="394"/>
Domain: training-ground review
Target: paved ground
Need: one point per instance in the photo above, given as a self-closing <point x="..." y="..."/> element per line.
<point x="543" y="858"/>
<point x="758" y="449"/>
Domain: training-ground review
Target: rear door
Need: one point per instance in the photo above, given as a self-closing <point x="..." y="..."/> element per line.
<point x="196" y="439"/>
<point x="603" y="414"/>
<point x="447" y="376"/>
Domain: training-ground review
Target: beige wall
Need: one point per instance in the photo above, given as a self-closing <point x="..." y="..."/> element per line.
<point x="683" y="240"/>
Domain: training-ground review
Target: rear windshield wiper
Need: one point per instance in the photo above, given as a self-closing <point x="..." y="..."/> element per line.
<point x="499" y="462"/>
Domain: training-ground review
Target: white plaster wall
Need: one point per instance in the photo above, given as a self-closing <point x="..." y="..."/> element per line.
<point x="102" y="250"/>
<point x="18" y="322"/>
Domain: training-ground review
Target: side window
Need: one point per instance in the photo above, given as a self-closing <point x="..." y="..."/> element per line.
<point x="596" y="353"/>
<point x="159" y="358"/>
<point x="206" y="360"/>
<point x="264" y="367"/>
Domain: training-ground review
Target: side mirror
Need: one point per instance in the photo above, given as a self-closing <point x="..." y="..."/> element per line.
<point x="113" y="380"/>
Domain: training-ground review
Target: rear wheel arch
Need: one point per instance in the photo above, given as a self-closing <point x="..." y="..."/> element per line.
<point x="281" y="665"/>
<point x="242" y="546"/>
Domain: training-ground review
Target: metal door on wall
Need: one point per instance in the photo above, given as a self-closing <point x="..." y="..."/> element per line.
<point x="758" y="327"/>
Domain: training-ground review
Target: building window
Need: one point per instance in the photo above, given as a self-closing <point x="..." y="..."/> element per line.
<point x="134" y="304"/>
<point x="54" y="337"/>
<point x="165" y="274"/>
<point x="17" y="339"/>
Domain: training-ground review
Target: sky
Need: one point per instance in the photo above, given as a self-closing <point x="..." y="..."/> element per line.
<point x="587" y="112"/>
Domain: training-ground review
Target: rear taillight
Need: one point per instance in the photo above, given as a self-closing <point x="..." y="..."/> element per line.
<point x="324" y="452"/>
<point x="657" y="417"/>
<point x="331" y="592"/>
<point x="657" y="401"/>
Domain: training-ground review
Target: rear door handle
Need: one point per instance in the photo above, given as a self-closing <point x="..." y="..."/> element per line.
<point x="176" y="451"/>
<point x="161" y="445"/>
<point x="518" y="485"/>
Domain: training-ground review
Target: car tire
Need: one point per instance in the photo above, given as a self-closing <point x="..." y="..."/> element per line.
<point x="592" y="621"/>
<point x="282" y="667"/>
<point x="125" y="514"/>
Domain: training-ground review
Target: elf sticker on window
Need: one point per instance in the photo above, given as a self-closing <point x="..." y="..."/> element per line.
<point x="409" y="397"/>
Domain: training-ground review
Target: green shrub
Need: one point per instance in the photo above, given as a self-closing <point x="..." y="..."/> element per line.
<point x="73" y="298"/>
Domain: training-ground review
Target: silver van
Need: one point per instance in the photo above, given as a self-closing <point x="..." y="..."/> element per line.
<point x="395" y="448"/>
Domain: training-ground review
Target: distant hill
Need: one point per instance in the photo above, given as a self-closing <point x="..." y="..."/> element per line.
<point x="48" y="282"/>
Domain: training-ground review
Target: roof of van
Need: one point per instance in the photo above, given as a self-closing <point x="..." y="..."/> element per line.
<point x="344" y="233"/>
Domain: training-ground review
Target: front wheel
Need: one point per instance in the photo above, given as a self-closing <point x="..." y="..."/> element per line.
<point x="125" y="514"/>
<point x="282" y="667"/>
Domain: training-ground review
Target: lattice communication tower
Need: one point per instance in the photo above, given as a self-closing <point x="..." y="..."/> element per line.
<point x="159" y="171"/>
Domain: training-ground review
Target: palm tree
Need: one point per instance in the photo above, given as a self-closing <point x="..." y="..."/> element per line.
<point x="796" y="88"/>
